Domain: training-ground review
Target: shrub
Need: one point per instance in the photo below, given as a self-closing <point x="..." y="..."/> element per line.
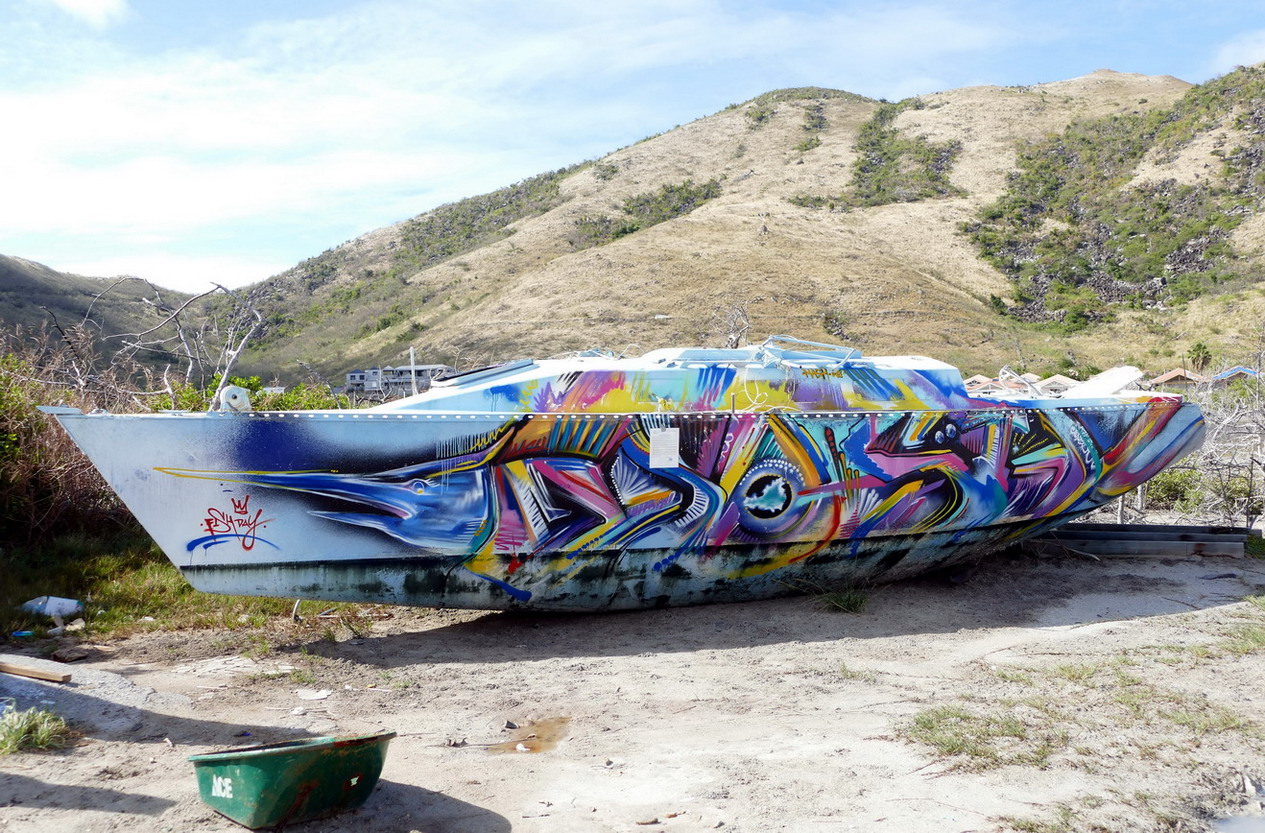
<point x="45" y="482"/>
<point x="1174" y="489"/>
<point x="758" y="115"/>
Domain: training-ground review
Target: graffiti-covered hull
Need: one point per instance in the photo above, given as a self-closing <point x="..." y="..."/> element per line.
<point x="555" y="500"/>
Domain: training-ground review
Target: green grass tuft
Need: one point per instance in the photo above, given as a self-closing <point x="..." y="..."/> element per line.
<point x="32" y="729"/>
<point x="847" y="600"/>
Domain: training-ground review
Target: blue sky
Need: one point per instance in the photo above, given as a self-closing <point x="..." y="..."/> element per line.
<point x="187" y="142"/>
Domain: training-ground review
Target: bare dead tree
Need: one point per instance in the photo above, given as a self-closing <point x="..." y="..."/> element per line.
<point x="733" y="322"/>
<point x="241" y="327"/>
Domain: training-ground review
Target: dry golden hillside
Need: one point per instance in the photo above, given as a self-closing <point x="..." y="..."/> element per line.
<point x="893" y="278"/>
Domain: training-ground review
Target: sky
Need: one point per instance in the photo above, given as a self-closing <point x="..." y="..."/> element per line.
<point x="192" y="142"/>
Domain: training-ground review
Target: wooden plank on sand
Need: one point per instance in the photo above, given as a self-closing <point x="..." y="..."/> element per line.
<point x="34" y="673"/>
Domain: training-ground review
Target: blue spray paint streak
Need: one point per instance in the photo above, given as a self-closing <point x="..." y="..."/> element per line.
<point x="208" y="541"/>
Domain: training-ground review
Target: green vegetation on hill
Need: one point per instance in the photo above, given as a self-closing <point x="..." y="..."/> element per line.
<point x="461" y="226"/>
<point x="644" y="210"/>
<point x="424" y="241"/>
<point x="892" y="166"/>
<point x="763" y="107"/>
<point x="815" y="123"/>
<point x="1077" y="238"/>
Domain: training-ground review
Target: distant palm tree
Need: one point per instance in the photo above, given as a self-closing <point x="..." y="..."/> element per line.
<point x="1199" y="356"/>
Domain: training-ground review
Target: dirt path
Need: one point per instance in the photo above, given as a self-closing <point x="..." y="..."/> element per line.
<point x="1126" y="694"/>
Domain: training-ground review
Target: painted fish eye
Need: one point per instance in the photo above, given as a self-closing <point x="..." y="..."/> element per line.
<point x="951" y="430"/>
<point x="939" y="436"/>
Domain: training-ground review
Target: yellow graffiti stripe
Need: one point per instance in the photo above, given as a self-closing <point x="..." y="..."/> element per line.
<point x="739" y="461"/>
<point x="795" y="452"/>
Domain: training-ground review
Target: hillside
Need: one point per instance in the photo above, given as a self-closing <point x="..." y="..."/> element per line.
<point x="983" y="226"/>
<point x="34" y="297"/>
<point x="899" y="277"/>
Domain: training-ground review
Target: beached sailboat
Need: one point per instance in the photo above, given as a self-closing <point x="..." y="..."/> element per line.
<point x="593" y="482"/>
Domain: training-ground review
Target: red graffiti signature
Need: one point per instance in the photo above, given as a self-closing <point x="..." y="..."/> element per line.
<point x="239" y="521"/>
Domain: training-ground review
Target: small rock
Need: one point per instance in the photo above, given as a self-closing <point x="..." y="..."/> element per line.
<point x="509" y="724"/>
<point x="70" y="654"/>
<point x="648" y="822"/>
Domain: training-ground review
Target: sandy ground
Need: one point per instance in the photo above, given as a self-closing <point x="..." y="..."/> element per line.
<point x="1135" y="703"/>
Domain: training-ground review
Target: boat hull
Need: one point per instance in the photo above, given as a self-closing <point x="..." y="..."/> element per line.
<point x="612" y="511"/>
<point x="615" y="580"/>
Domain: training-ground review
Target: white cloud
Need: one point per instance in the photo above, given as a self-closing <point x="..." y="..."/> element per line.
<point x="1243" y="50"/>
<point x="96" y="13"/>
<point x="360" y="118"/>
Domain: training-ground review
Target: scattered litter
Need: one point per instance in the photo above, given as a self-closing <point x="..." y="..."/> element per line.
<point x="647" y="822"/>
<point x="242" y="735"/>
<point x="522" y="747"/>
<point x="312" y="693"/>
<point x="24" y="633"/>
<point x="148" y="619"/>
<point x="76" y="625"/>
<point x="54" y="607"/>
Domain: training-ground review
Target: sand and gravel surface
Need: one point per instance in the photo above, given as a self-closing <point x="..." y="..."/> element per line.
<point x="1115" y="695"/>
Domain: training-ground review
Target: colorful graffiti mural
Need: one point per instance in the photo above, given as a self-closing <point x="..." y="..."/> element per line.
<point x="561" y="486"/>
<point x="564" y="491"/>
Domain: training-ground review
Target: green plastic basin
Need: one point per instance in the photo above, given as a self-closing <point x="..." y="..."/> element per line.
<point x="284" y="783"/>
